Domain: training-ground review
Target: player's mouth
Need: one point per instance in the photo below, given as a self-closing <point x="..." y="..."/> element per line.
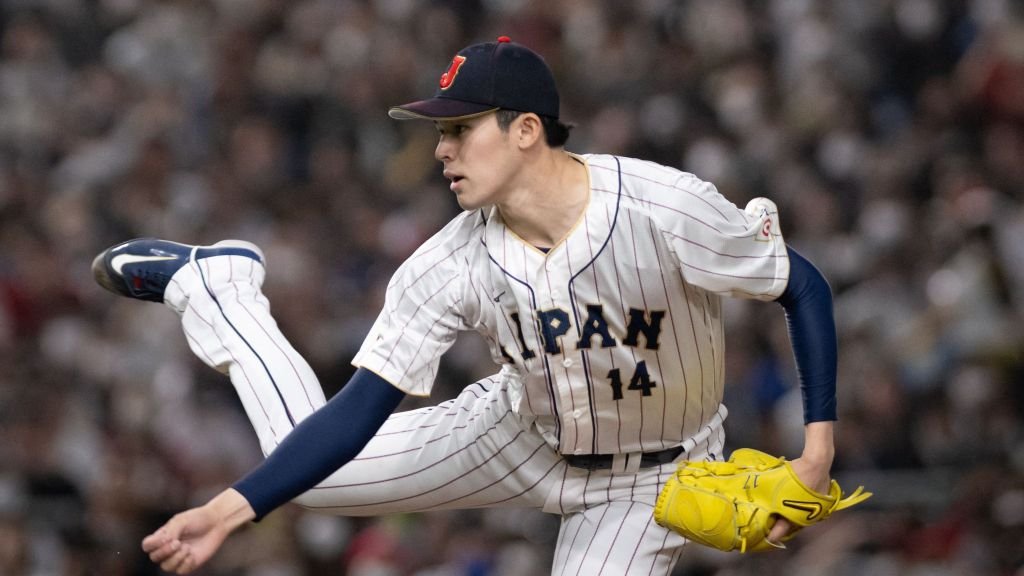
<point x="455" y="179"/>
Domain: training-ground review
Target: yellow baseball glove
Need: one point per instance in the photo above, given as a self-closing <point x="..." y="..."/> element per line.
<point x="732" y="505"/>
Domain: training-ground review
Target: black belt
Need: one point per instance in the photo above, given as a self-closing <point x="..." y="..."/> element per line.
<point x="604" y="461"/>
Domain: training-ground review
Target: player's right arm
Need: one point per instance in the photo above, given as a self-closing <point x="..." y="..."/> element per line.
<point x="311" y="452"/>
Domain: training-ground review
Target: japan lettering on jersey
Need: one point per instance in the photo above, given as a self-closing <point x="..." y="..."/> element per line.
<point x="614" y="337"/>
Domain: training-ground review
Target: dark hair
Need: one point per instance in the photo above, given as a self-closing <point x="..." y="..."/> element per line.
<point x="555" y="132"/>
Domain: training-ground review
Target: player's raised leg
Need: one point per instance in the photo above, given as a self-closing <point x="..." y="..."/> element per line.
<point x="468" y="452"/>
<point x="226" y="319"/>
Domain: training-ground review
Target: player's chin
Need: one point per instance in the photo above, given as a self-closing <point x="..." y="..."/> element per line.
<point x="468" y="201"/>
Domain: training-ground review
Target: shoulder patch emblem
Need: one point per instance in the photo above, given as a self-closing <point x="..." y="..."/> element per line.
<point x="765" y="233"/>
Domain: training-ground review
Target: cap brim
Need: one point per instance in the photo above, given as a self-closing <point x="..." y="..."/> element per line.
<point x="439" y="109"/>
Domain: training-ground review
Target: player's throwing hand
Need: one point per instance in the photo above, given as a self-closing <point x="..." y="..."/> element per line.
<point x="190" y="538"/>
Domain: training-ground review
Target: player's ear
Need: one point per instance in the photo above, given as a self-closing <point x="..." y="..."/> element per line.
<point x="529" y="130"/>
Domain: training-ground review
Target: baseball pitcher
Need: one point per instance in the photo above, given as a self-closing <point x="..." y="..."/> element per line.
<point x="596" y="280"/>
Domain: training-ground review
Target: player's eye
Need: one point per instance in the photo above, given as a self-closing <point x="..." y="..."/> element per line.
<point x="451" y="129"/>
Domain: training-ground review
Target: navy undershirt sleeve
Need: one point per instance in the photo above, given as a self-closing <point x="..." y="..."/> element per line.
<point x="812" y="333"/>
<point x="322" y="443"/>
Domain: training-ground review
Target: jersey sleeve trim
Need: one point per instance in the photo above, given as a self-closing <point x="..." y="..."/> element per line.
<point x="389" y="376"/>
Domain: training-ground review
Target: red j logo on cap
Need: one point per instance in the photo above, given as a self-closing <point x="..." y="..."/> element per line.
<point x="449" y="76"/>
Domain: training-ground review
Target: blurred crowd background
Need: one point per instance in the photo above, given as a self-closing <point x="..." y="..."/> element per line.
<point x="889" y="132"/>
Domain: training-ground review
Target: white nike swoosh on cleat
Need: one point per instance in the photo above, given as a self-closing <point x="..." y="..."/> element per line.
<point x="117" y="262"/>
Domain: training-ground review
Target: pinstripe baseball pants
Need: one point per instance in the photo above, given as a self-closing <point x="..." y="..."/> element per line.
<point x="469" y="452"/>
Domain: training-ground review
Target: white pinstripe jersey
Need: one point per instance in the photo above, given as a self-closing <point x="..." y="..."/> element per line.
<point x="615" y="335"/>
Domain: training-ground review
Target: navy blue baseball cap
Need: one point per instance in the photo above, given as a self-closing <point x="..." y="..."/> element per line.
<point x="485" y="77"/>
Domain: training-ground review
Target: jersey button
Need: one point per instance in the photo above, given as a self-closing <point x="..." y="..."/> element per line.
<point x="567" y="362"/>
<point x="578" y="451"/>
<point x="577" y="413"/>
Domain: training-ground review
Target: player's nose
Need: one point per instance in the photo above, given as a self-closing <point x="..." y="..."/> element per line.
<point x="444" y="150"/>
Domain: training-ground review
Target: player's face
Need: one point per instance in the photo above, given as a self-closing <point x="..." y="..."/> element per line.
<point x="479" y="159"/>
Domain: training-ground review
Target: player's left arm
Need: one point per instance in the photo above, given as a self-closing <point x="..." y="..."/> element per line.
<point x="807" y="301"/>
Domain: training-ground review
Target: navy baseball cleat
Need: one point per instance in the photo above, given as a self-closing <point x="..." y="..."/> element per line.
<point x="141" y="268"/>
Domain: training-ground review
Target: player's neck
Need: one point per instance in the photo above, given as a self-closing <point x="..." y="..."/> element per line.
<point x="548" y="199"/>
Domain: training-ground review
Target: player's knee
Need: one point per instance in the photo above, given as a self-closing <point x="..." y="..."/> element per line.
<point x="308" y="500"/>
<point x="334" y="502"/>
<point x="319" y="500"/>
